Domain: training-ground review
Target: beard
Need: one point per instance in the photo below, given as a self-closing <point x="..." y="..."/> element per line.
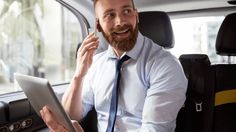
<point x="122" y="44"/>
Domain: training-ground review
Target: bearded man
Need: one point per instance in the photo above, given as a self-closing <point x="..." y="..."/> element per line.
<point x="135" y="85"/>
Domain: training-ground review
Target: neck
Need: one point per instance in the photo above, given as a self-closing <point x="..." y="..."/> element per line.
<point x="118" y="52"/>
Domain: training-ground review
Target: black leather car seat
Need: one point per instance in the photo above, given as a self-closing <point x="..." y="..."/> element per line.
<point x="225" y="78"/>
<point x="197" y="113"/>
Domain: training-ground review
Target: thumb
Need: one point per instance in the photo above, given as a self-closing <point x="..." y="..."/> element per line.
<point x="77" y="126"/>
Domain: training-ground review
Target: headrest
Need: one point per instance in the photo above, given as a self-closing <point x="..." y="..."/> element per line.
<point x="226" y="38"/>
<point x="156" y="25"/>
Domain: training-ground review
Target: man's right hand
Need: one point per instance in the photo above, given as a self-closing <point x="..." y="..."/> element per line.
<point x="85" y="54"/>
<point x="53" y="124"/>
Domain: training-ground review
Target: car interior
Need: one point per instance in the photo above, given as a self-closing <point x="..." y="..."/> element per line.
<point x="210" y="104"/>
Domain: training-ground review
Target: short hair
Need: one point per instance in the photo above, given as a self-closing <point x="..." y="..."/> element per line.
<point x="95" y="1"/>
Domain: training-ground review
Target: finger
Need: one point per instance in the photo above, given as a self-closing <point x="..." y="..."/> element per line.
<point x="42" y="114"/>
<point x="88" y="42"/>
<point x="88" y="39"/>
<point x="91" y="33"/>
<point x="86" y="48"/>
<point x="59" y="128"/>
<point x="49" y="118"/>
<point x="89" y="53"/>
<point x="77" y="126"/>
<point x="51" y="121"/>
<point x="89" y="56"/>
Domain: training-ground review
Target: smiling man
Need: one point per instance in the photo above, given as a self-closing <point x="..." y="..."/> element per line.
<point x="118" y="26"/>
<point x="144" y="95"/>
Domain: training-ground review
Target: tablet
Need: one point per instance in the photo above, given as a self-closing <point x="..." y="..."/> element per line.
<point x="39" y="93"/>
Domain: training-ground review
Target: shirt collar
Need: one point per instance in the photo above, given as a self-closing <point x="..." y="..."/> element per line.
<point x="133" y="53"/>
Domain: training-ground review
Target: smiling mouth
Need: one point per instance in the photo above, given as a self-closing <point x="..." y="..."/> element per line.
<point x="121" y="32"/>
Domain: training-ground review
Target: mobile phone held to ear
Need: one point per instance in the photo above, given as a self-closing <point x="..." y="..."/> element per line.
<point x="95" y="26"/>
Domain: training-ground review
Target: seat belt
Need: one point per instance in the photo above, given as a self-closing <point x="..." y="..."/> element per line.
<point x="197" y="97"/>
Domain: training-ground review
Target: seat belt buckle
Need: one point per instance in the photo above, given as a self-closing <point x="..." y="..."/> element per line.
<point x="198" y="106"/>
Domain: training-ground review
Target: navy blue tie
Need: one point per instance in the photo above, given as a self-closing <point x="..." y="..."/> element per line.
<point x="114" y="98"/>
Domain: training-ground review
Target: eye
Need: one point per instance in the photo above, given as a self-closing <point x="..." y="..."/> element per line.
<point x="127" y="11"/>
<point x="110" y="15"/>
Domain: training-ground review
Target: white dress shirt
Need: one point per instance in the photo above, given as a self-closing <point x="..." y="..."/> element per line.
<point x="152" y="88"/>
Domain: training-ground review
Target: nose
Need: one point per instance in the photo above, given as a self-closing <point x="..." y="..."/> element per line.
<point x="119" y="20"/>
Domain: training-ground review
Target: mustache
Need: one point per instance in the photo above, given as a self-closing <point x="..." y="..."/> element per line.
<point x="121" y="28"/>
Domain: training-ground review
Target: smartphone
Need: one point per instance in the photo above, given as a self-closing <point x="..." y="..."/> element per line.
<point x="95" y="26"/>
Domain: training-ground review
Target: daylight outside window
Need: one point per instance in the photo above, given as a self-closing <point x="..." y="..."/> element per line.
<point x="38" y="38"/>
<point x="197" y="35"/>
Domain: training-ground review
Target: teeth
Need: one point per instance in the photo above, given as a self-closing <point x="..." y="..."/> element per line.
<point x="123" y="31"/>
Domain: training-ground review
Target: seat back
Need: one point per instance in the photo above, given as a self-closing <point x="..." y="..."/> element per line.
<point x="212" y="85"/>
<point x="156" y="25"/>
<point x="225" y="78"/>
<point x="197" y="113"/>
<point x="225" y="98"/>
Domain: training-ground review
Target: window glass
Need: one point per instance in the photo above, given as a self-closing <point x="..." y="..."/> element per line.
<point x="197" y="35"/>
<point x="39" y="38"/>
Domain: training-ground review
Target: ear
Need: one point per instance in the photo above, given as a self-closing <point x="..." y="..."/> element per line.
<point x="99" y="28"/>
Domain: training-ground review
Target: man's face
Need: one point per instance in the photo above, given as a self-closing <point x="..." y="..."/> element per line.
<point x="118" y="22"/>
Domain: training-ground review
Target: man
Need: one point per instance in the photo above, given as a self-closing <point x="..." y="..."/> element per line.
<point x="152" y="84"/>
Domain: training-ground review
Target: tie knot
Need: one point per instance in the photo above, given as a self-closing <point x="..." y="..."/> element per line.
<point x="120" y="62"/>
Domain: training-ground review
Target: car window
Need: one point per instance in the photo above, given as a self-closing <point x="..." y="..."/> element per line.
<point x="197" y="35"/>
<point x="38" y="38"/>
